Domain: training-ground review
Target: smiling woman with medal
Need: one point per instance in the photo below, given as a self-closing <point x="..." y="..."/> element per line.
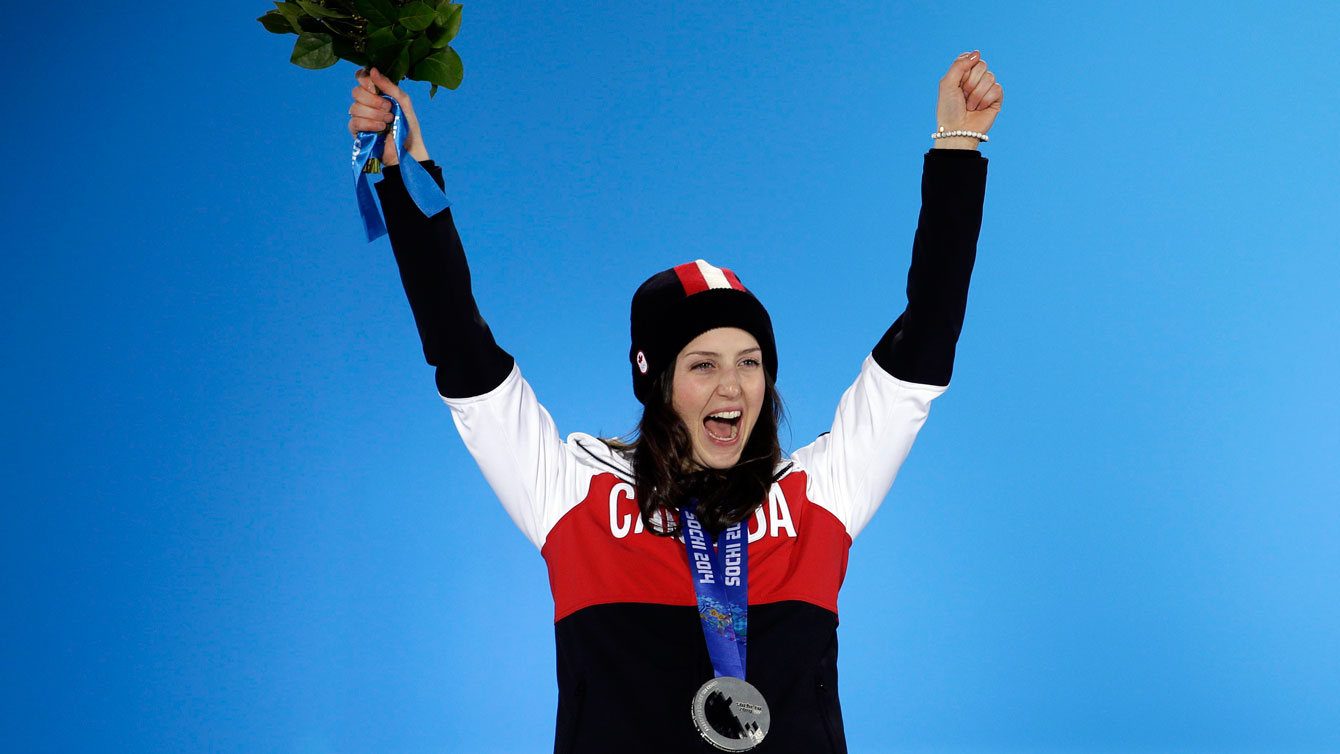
<point x="695" y="570"/>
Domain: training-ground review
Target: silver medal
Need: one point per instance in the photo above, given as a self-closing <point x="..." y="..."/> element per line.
<point x="731" y="714"/>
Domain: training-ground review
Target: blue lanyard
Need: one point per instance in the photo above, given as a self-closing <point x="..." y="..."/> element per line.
<point x="421" y="186"/>
<point x="721" y="581"/>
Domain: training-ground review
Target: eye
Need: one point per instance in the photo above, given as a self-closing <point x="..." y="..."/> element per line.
<point x="750" y="363"/>
<point x="701" y="366"/>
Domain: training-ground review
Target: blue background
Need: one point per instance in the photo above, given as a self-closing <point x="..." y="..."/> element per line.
<point x="238" y="519"/>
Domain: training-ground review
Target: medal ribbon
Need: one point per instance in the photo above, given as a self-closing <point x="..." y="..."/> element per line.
<point x="721" y="581"/>
<point x="422" y="188"/>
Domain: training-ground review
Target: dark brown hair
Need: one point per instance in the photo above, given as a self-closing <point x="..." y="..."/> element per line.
<point x="667" y="477"/>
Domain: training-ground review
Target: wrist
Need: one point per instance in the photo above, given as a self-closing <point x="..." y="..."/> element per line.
<point x="955" y="142"/>
<point x="957" y="138"/>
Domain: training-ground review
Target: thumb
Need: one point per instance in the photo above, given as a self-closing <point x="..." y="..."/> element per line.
<point x="388" y="86"/>
<point x="960" y="69"/>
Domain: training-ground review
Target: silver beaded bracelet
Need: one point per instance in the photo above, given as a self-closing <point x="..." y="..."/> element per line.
<point x="943" y="134"/>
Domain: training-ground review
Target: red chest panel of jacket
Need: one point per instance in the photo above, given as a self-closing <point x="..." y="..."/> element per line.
<point x="599" y="552"/>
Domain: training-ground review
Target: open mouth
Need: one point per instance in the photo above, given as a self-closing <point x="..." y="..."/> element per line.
<point x="723" y="426"/>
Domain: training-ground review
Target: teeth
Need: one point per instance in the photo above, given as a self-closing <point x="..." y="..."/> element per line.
<point x="725" y="415"/>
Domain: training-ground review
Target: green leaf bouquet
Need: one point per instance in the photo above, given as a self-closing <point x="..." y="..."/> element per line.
<point x="401" y="38"/>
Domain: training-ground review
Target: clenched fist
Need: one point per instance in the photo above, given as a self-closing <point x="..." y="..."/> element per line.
<point x="969" y="100"/>
<point x="372" y="113"/>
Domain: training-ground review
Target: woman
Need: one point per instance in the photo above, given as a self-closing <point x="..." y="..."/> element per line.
<point x="647" y="624"/>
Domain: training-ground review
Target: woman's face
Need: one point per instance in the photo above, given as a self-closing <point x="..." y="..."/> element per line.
<point x="718" y="392"/>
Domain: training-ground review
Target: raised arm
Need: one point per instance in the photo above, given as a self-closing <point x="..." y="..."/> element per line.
<point x="920" y="345"/>
<point x="511" y="436"/>
<point x="851" y="468"/>
<point x="431" y="259"/>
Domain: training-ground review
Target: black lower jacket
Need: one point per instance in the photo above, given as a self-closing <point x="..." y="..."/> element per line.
<point x="617" y="695"/>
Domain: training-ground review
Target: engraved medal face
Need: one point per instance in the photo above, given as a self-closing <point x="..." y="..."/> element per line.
<point x="731" y="714"/>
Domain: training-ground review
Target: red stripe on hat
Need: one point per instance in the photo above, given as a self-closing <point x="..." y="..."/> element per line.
<point x="734" y="281"/>
<point x="691" y="278"/>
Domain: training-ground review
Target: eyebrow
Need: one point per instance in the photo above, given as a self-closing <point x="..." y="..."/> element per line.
<point x="714" y="353"/>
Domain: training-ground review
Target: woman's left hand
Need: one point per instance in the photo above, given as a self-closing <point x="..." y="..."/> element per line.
<point x="970" y="98"/>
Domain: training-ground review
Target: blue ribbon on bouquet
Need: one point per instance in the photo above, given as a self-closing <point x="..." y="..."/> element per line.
<point x="425" y="192"/>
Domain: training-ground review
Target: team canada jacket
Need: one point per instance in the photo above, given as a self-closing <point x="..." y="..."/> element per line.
<point x="630" y="648"/>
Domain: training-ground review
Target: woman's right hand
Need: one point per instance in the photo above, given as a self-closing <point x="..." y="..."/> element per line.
<point x="372" y="113"/>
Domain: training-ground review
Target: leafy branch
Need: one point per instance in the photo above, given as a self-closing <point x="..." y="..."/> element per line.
<point x="401" y="38"/>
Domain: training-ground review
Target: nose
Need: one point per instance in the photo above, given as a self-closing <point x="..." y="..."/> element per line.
<point x="729" y="387"/>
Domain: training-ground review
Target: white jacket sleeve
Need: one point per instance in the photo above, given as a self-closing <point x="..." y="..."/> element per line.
<point x="514" y="441"/>
<point x="851" y="468"/>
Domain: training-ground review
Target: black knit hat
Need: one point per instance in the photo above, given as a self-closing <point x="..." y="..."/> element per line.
<point x="675" y="306"/>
